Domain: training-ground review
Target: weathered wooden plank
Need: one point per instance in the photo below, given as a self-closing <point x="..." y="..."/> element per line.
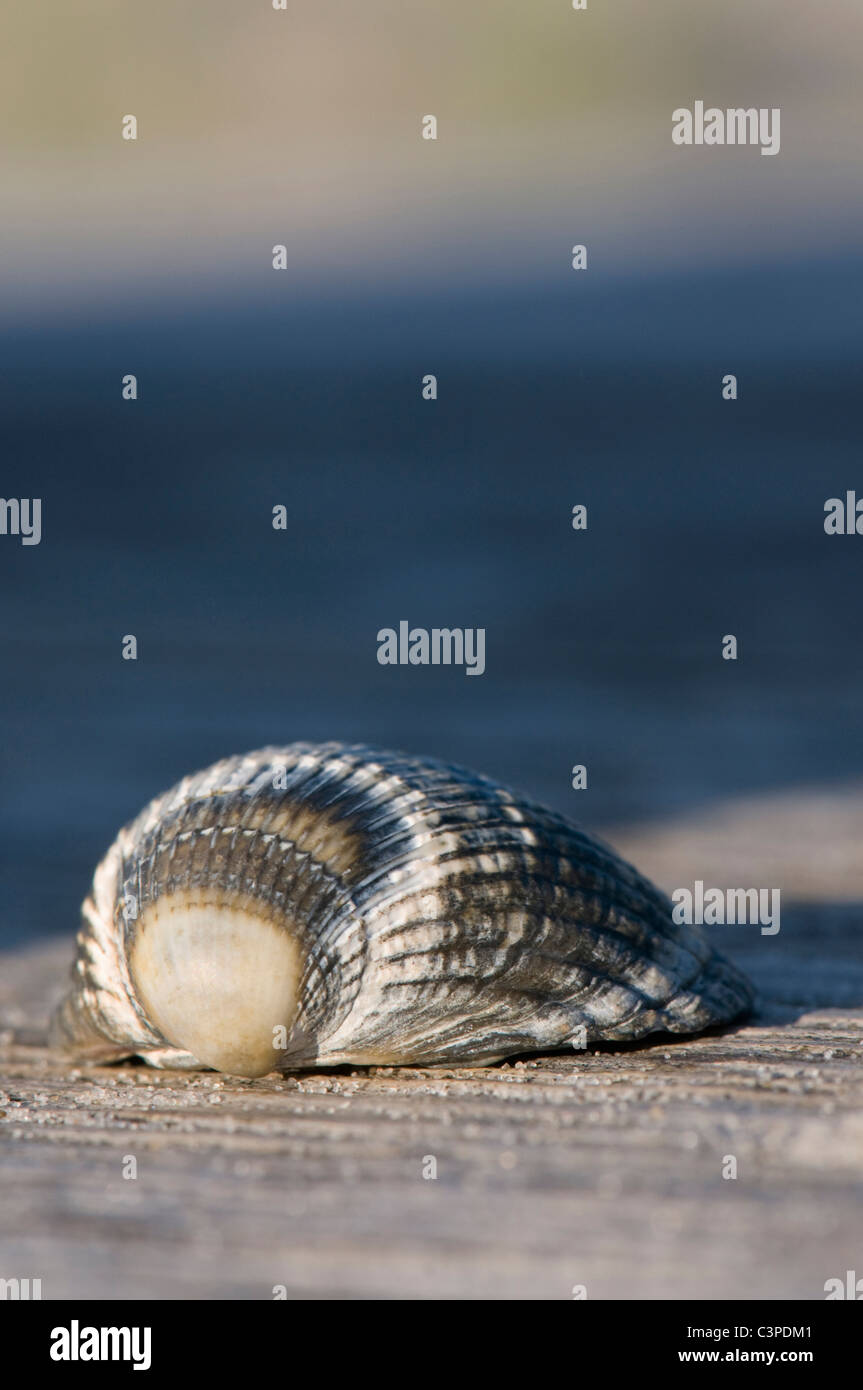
<point x="602" y="1169"/>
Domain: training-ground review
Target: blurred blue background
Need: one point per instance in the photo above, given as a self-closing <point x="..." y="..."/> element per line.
<point x="302" y="388"/>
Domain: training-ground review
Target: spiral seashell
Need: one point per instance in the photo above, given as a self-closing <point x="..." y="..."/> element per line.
<point x="322" y="904"/>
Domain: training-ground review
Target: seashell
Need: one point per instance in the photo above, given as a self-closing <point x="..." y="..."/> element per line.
<point x="322" y="904"/>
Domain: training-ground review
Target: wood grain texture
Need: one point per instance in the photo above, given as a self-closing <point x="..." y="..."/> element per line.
<point x="602" y="1169"/>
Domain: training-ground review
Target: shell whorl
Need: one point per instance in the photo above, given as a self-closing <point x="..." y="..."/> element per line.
<point x="322" y="904"/>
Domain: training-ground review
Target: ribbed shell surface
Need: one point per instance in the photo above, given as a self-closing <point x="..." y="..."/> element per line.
<point x="440" y="917"/>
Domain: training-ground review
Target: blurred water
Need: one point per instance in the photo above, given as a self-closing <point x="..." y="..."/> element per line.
<point x="705" y="518"/>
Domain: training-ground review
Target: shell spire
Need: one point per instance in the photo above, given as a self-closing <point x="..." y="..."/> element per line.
<point x="322" y="904"/>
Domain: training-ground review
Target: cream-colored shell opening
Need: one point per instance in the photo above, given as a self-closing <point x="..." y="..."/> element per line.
<point x="217" y="981"/>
